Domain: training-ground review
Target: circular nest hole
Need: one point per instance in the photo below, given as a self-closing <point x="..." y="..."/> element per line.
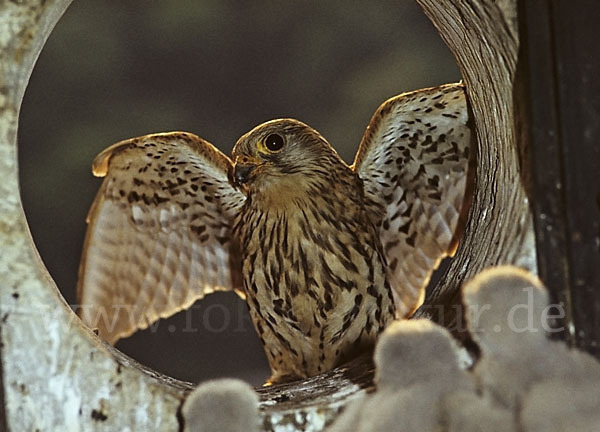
<point x="215" y="69"/>
<point x="499" y="229"/>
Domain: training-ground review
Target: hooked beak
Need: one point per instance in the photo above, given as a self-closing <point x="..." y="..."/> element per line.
<point x="241" y="173"/>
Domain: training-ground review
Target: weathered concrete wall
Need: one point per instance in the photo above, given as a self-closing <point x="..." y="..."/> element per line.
<point x="55" y="375"/>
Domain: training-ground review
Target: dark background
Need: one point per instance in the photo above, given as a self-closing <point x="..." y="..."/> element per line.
<point x="114" y="70"/>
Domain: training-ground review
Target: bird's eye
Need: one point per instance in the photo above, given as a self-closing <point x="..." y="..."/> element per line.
<point x="274" y="142"/>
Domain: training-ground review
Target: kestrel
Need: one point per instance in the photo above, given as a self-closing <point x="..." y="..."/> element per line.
<point x="325" y="254"/>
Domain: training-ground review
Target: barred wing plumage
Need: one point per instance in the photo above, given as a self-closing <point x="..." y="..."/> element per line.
<point x="416" y="162"/>
<point x="159" y="232"/>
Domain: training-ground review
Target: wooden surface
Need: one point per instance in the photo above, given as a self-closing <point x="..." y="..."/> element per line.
<point x="483" y="37"/>
<point x="65" y="377"/>
<point x="560" y="98"/>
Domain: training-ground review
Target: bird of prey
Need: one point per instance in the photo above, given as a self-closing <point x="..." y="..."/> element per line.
<point x="325" y="254"/>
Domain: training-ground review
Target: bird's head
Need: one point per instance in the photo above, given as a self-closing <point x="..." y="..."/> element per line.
<point x="275" y="153"/>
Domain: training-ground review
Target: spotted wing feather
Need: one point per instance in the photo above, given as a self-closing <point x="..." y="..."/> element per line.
<point x="414" y="160"/>
<point x="159" y="232"/>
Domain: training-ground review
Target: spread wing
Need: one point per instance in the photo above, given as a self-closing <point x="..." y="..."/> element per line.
<point x="416" y="163"/>
<point x="159" y="232"/>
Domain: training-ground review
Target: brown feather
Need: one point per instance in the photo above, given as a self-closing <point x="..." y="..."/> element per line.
<point x="414" y="160"/>
<point x="159" y="234"/>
